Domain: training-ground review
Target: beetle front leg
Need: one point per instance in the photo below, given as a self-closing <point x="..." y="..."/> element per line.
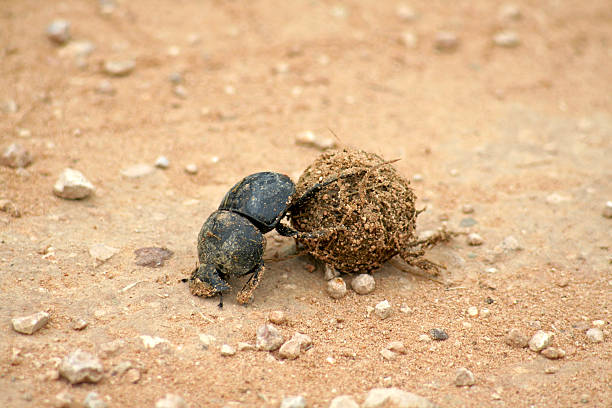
<point x="246" y="293"/>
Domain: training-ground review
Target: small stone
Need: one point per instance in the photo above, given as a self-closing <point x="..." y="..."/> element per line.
<point x="105" y="87"/>
<point x="598" y="323"/>
<point x="464" y="378"/>
<point x="171" y="401"/>
<point x="551" y="370"/>
<point x="438" y="334"/>
<point x="607" y="211"/>
<point x="207" y="340"/>
<point x="363" y="284"/>
<point x="397" y="347"/>
<point x="72" y="185"/>
<point x="383" y="309"/>
<point x="227" y="350"/>
<point x="77" y="49"/>
<point x="553" y="353"/>
<point x="474" y="239"/>
<point x="595" y="335"/>
<point x="191" y="169"/>
<point x="10" y="106"/>
<point x="405" y="13"/>
<point x="425" y="338"/>
<point x="506" y="39"/>
<point x="388" y="354"/>
<point x="405" y="309"/>
<point x="467" y="222"/>
<point x="15" y="156"/>
<point x="64" y="400"/>
<point x="79" y="324"/>
<point x="484" y="312"/>
<point x="277" y="317"/>
<point x="472" y="311"/>
<point x="336" y="288"/>
<point x="540" y="341"/>
<point x="59" y="31"/>
<point x="510" y="243"/>
<point x="119" y="68"/>
<point x="121" y="368"/>
<point x="343" y="401"/>
<point x="446" y="41"/>
<point x="467" y="209"/>
<point x="180" y="91"/>
<point x="110" y="348"/>
<point x="93" y="400"/>
<point x="310" y="139"/>
<point x="176" y="78"/>
<point x="80" y="366"/>
<point x="243" y="346"/>
<point x="330" y="272"/>
<point x="152" y="257"/>
<point x="290" y="350"/>
<point x="304" y="340"/>
<point x="293" y="402"/>
<point x="30" y="324"/>
<point x="394" y="397"/>
<point x="408" y="39"/>
<point x="509" y="12"/>
<point x="138" y="170"/>
<point x="269" y="338"/>
<point x="150" y="342"/>
<point x="162" y="162"/>
<point x="585" y="398"/>
<point x="101" y="252"/>
<point x="132" y="375"/>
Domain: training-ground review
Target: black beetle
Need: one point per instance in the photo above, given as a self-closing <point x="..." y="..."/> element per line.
<point x="231" y="241"/>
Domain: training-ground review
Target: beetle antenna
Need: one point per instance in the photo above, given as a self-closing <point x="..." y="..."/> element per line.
<point x="334" y="133"/>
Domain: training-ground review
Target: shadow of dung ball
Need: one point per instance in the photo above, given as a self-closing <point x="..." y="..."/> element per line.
<point x="369" y="213"/>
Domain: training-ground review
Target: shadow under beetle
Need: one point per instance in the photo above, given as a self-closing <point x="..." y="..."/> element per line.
<point x="231" y="241"/>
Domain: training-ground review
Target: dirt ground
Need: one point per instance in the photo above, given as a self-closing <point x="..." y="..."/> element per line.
<point x="522" y="133"/>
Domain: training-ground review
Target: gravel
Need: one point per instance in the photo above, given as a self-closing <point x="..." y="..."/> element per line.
<point x="93" y="400"/>
<point x="343" y="401"/>
<point x="474" y="239"/>
<point x="438" y="334"/>
<point x="30" y="324"/>
<point x="80" y="366"/>
<point x="72" y="185"/>
<point x="363" y="283"/>
<point x="171" y="401"/>
<point x="540" y="340"/>
<point x="464" y="378"/>
<point x="227" y="350"/>
<point x="383" y="309"/>
<point x="269" y="338"/>
<point x="394" y="397"/>
<point x="15" y="156"/>
<point x="595" y="335"/>
<point x="58" y="31"/>
<point x="336" y="288"/>
<point x="293" y="402"/>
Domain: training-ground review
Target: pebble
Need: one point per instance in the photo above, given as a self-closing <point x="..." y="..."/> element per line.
<point x="540" y="340"/>
<point x="119" y="68"/>
<point x="150" y="342"/>
<point x="397" y="347"/>
<point x="551" y="370"/>
<point x="343" y="401"/>
<point x="506" y="39"/>
<point x="30" y="324"/>
<point x="417" y="178"/>
<point x="408" y="39"/>
<point x="304" y="340"/>
<point x="138" y="170"/>
<point x="474" y="239"/>
<point x="227" y="350"/>
<point x="153" y="257"/>
<point x="243" y="346"/>
<point x="93" y="400"/>
<point x="64" y="400"/>
<point x="78" y="49"/>
<point x="293" y="402"/>
<point x="553" y="353"/>
<point x="132" y="375"/>
<point x="607" y="211"/>
<point x="383" y="309"/>
<point x="80" y="366"/>
<point x="10" y="208"/>
<point x="438" y="334"/>
<point x="58" y="31"/>
<point x="446" y="41"/>
<point x="464" y="378"/>
<point x="386" y="397"/>
<point x="310" y="139"/>
<point x="595" y="335"/>
<point x="425" y="338"/>
<point x="388" y="354"/>
<point x="336" y="288"/>
<point x="171" y="401"/>
<point x="79" y="324"/>
<point x="510" y="243"/>
<point x="105" y="87"/>
<point x="207" y="340"/>
<point x="162" y="162"/>
<point x="330" y="272"/>
<point x="269" y="338"/>
<point x="363" y="283"/>
<point x="472" y="311"/>
<point x="176" y="78"/>
<point x="191" y="169"/>
<point x="467" y="209"/>
<point x="72" y="185"/>
<point x="15" y="156"/>
<point x="10" y="106"/>
<point x="101" y="252"/>
<point x="290" y="350"/>
<point x="598" y="323"/>
<point x="277" y="317"/>
<point x="405" y="13"/>
<point x="509" y="12"/>
<point x="180" y="91"/>
<point x="467" y="222"/>
<point x="111" y="347"/>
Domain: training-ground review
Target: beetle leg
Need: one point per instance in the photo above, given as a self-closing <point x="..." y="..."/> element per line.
<point x="246" y="293"/>
<point x="287" y="231"/>
<point x="207" y="281"/>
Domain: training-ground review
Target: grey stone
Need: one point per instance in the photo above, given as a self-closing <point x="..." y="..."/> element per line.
<point x="152" y="257"/>
<point x="464" y="378"/>
<point x="363" y="284"/>
<point x="269" y="338"/>
<point x="396" y="398"/>
<point x="30" y="324"/>
<point x="72" y="185"/>
<point x="540" y="341"/>
<point x="467" y="222"/>
<point x="58" y="31"/>
<point x="343" y="401"/>
<point x="171" y="401"/>
<point x="93" y="400"/>
<point x="438" y="334"/>
<point x="119" y="68"/>
<point x="383" y="309"/>
<point x="15" y="156"/>
<point x="516" y="339"/>
<point x="80" y="366"/>
<point x="510" y="243"/>
<point x="293" y="402"/>
<point x="336" y="288"/>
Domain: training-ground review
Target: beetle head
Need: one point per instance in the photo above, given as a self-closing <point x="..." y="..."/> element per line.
<point x="206" y="281"/>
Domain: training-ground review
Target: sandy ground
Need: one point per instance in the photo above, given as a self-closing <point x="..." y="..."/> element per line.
<point x="522" y="134"/>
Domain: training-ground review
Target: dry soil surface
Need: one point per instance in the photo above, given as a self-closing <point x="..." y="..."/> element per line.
<point x="521" y="133"/>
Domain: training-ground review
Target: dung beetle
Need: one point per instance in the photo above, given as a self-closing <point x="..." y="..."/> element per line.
<point x="231" y="241"/>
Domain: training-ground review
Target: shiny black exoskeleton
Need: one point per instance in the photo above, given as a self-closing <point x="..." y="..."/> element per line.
<point x="231" y="241"/>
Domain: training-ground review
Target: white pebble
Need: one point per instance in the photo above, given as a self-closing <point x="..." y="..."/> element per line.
<point x="101" y="252"/>
<point x="446" y="41"/>
<point x="363" y="284"/>
<point x="343" y="401"/>
<point x="191" y="168"/>
<point x="464" y="378"/>
<point x="72" y="185"/>
<point x="80" y="366"/>
<point x="310" y="139"/>
<point x="595" y="335"/>
<point x="119" y="68"/>
<point x="59" y="31"/>
<point x="397" y="347"/>
<point x="540" y="341"/>
<point x="405" y="13"/>
<point x="472" y="311"/>
<point x="162" y="162"/>
<point x="388" y="354"/>
<point x="206" y="340"/>
<point x="408" y="39"/>
<point x="336" y="288"/>
<point x="293" y="402"/>
<point x="269" y="338"/>
<point x="607" y="211"/>
<point x="507" y="39"/>
<point x="290" y="350"/>
<point x="30" y="324"/>
<point x="474" y="239"/>
<point x="383" y="309"/>
<point x="171" y="401"/>
<point x="598" y="323"/>
<point x="138" y="170"/>
<point x="15" y="156"/>
<point x="467" y="209"/>
<point x="227" y="350"/>
<point x="277" y="317"/>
